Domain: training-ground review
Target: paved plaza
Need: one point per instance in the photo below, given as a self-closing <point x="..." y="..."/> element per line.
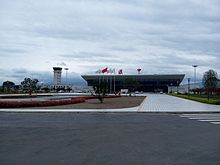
<point x="152" y="103"/>
<point x="211" y="118"/>
<point x="166" y="103"/>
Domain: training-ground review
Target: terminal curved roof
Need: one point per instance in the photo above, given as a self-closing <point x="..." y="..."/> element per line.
<point x="145" y="77"/>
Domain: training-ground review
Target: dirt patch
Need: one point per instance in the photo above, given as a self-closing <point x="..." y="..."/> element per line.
<point x="109" y="103"/>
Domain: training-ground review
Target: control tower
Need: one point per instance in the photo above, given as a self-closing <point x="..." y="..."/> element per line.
<point x="57" y="75"/>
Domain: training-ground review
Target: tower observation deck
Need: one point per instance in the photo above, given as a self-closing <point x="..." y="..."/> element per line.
<point x="57" y="75"/>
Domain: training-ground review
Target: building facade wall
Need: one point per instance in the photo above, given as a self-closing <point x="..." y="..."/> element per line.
<point x="145" y="83"/>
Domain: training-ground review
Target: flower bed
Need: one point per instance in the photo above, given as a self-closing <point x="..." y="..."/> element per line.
<point x="19" y="104"/>
<point x="73" y="100"/>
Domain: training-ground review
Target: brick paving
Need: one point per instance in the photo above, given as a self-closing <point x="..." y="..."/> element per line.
<point x="166" y="103"/>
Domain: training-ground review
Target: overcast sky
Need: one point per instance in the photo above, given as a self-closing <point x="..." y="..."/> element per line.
<point x="159" y="36"/>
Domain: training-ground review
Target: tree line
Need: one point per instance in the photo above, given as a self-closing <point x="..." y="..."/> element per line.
<point x="28" y="86"/>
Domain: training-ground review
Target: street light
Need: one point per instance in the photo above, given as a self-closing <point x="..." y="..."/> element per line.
<point x="177" y="87"/>
<point x="194" y="66"/>
<point x="66" y="73"/>
<point x="188" y="85"/>
<point x="171" y="87"/>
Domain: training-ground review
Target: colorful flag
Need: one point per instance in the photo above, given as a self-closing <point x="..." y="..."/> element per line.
<point x="112" y="71"/>
<point x="104" y="70"/>
<point x="120" y="71"/>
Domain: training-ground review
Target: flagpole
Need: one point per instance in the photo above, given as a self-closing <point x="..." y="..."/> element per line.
<point x="114" y="83"/>
<point x="110" y="84"/>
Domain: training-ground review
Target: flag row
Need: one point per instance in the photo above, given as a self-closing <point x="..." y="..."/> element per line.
<point x="109" y="71"/>
<point x="113" y="71"/>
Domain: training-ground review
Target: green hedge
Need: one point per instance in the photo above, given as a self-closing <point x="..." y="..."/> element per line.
<point x="215" y="101"/>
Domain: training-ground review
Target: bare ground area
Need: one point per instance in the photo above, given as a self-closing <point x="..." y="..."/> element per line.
<point x="109" y="103"/>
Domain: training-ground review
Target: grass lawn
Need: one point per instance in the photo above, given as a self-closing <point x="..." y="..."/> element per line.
<point x="215" y="99"/>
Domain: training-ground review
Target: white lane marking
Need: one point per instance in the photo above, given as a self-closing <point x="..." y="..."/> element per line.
<point x="201" y="114"/>
<point x="215" y="122"/>
<point x="211" y="118"/>
<point x="200" y="118"/>
<point x="193" y="115"/>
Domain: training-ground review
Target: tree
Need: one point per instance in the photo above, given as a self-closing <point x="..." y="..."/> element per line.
<point x="29" y="85"/>
<point x="101" y="90"/>
<point x="7" y="85"/>
<point x="210" y="80"/>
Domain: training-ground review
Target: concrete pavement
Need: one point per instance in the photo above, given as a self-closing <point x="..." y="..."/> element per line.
<point x="152" y="103"/>
<point x="166" y="103"/>
<point x="107" y="138"/>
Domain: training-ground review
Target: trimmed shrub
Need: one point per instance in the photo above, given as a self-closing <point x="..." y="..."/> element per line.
<point x="20" y="104"/>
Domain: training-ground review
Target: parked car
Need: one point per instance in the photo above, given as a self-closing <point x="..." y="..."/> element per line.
<point x="136" y="92"/>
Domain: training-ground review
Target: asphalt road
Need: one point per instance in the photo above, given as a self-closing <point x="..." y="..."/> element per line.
<point x="107" y="139"/>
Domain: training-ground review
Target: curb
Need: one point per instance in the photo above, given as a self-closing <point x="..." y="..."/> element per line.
<point x="133" y="110"/>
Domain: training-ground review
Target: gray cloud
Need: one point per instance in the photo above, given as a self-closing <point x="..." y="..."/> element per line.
<point x="84" y="57"/>
<point x="20" y="71"/>
<point x="18" y="74"/>
<point x="61" y="64"/>
<point x="159" y="36"/>
<point x="5" y="52"/>
<point x="9" y="50"/>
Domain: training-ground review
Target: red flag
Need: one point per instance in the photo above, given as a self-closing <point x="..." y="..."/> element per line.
<point x="104" y="70"/>
<point x="120" y="71"/>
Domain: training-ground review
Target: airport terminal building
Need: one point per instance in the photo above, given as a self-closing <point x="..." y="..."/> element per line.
<point x="145" y="83"/>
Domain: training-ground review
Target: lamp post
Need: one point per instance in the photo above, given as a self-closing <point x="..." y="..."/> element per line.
<point x="188" y="85"/>
<point x="114" y="83"/>
<point x="171" y="87"/>
<point x="177" y="87"/>
<point x="194" y="66"/>
<point x="66" y="69"/>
